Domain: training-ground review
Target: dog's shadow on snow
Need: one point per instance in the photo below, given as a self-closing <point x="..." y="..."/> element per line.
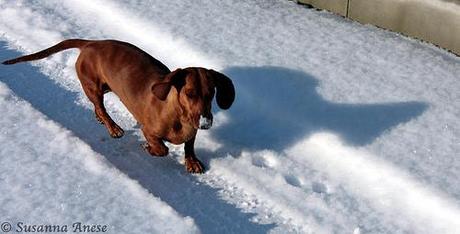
<point x="275" y="107"/>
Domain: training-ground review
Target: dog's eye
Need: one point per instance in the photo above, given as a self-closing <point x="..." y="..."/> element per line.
<point x="190" y="93"/>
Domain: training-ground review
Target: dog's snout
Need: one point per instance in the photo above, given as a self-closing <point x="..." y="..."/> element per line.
<point x="205" y="122"/>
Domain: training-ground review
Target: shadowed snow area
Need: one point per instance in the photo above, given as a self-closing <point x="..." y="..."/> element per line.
<point x="49" y="176"/>
<point x="277" y="106"/>
<point x="337" y="127"/>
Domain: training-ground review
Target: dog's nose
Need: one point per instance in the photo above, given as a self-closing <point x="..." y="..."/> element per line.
<point x="205" y="123"/>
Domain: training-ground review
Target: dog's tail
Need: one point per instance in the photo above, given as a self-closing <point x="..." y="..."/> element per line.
<point x="63" y="45"/>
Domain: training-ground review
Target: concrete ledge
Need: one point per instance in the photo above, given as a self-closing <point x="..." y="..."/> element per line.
<point x="337" y="6"/>
<point x="435" y="21"/>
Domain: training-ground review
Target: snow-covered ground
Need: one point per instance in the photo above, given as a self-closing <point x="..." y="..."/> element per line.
<point x="337" y="127"/>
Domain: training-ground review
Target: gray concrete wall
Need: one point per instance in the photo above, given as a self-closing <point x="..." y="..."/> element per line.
<point x="435" y="21"/>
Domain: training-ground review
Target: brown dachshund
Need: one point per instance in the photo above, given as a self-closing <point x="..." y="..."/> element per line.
<point x="170" y="106"/>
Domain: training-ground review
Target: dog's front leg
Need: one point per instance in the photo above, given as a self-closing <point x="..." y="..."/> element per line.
<point x="192" y="164"/>
<point x="155" y="146"/>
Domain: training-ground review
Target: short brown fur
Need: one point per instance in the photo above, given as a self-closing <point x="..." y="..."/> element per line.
<point x="168" y="105"/>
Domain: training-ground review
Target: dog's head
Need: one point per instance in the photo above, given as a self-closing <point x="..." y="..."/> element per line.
<point x="195" y="89"/>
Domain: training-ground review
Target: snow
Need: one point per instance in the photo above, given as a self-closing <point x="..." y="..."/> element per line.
<point x="337" y="127"/>
<point x="51" y="177"/>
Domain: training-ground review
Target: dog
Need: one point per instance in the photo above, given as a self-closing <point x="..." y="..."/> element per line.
<point x="170" y="106"/>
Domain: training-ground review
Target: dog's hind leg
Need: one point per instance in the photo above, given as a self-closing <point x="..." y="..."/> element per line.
<point x="97" y="98"/>
<point x="115" y="131"/>
<point x="95" y="93"/>
<point x="105" y="89"/>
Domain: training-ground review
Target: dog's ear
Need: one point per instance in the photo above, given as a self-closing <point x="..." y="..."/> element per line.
<point x="175" y="78"/>
<point x="225" y="94"/>
<point x="161" y="90"/>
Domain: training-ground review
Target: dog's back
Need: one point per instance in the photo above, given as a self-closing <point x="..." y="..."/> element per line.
<point x="122" y="68"/>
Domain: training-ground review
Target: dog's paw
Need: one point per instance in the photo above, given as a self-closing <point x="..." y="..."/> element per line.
<point x="99" y="119"/>
<point x="116" y="131"/>
<point x="155" y="151"/>
<point x="193" y="165"/>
